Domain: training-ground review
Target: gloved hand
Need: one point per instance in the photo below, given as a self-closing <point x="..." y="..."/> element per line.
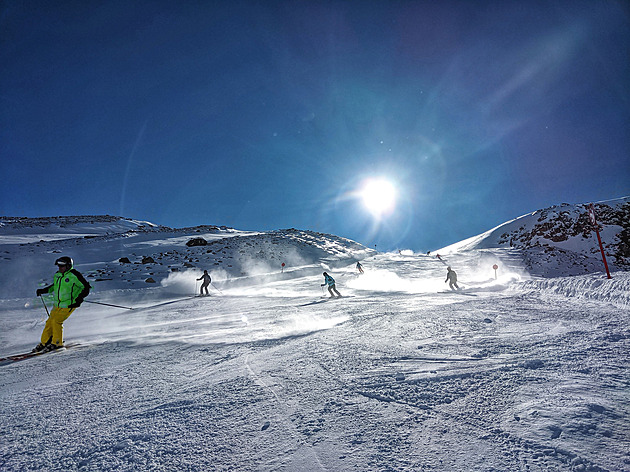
<point x="41" y="291"/>
<point x="322" y="285"/>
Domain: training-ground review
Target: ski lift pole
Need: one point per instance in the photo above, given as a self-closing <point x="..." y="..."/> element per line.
<point x="591" y="212"/>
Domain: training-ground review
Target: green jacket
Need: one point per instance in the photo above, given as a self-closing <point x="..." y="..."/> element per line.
<point x="69" y="289"/>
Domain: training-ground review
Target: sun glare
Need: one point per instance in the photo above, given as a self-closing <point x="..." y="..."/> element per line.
<point x="378" y="196"/>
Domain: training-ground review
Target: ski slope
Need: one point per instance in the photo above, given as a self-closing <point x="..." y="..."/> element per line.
<point x="401" y="374"/>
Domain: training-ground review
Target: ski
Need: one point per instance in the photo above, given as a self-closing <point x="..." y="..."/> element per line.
<point x="28" y="355"/>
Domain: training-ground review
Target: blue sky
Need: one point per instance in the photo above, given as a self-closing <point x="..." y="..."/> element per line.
<point x="269" y="115"/>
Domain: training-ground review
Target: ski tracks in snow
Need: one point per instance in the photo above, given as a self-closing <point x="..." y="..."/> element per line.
<point x="305" y="456"/>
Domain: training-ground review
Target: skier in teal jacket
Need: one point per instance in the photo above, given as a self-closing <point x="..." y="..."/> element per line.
<point x="69" y="288"/>
<point x="328" y="280"/>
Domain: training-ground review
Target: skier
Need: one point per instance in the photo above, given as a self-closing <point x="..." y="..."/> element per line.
<point x="206" y="281"/>
<point x="359" y="267"/>
<point x="328" y="280"/>
<point x="69" y="288"/>
<point x="452" y="276"/>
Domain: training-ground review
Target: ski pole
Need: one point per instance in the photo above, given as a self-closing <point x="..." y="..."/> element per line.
<point x="215" y="287"/>
<point x="108" y="304"/>
<point x="196" y="284"/>
<point x="47" y="312"/>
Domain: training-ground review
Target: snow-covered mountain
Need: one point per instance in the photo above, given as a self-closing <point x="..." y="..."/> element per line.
<point x="66" y="227"/>
<point x="555" y="241"/>
<point x="511" y="373"/>
<point x="110" y="250"/>
<point x="561" y="240"/>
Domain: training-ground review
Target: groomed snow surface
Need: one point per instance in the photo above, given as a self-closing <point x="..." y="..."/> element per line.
<point x="401" y="374"/>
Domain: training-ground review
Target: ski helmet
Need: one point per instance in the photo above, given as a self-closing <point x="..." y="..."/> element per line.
<point x="64" y="261"/>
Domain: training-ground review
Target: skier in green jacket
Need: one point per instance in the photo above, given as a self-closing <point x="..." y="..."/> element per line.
<point x="69" y="288"/>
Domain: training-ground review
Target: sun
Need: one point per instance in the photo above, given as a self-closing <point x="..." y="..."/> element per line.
<point x="378" y="196"/>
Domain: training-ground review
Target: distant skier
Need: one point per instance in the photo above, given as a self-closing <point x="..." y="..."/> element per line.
<point x="328" y="280"/>
<point x="452" y="276"/>
<point x="206" y="281"/>
<point x="359" y="267"/>
<point x="69" y="288"/>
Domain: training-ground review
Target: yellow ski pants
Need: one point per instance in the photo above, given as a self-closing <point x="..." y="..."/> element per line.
<point x="53" y="331"/>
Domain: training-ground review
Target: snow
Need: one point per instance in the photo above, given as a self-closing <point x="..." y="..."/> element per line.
<point x="517" y="372"/>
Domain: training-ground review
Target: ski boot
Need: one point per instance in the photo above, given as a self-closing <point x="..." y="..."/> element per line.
<point x="40" y="347"/>
<point x="52" y="347"/>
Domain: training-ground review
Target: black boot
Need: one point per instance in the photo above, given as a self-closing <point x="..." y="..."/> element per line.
<point x="52" y="347"/>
